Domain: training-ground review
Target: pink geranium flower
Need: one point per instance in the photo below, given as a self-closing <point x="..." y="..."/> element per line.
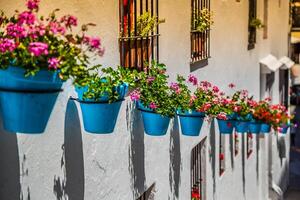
<point x="135" y="95"/>
<point x="26" y="17"/>
<point x="33" y="4"/>
<point x="193" y="79"/>
<point x="53" y="63"/>
<point x="152" y="105"/>
<point x="69" y="20"/>
<point x="7" y="45"/>
<point x="16" y="31"/>
<point x="231" y="85"/>
<point x="38" y="48"/>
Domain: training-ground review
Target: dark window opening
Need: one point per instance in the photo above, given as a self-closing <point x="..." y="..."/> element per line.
<point x="200" y="40"/>
<point x="137" y="49"/>
<point x="249" y="143"/>
<point x="198" y="171"/>
<point x="222" y="155"/>
<point x="251" y="29"/>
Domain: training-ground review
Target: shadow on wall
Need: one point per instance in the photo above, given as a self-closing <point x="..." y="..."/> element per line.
<point x="175" y="160"/>
<point x="243" y="164"/>
<point x="71" y="186"/>
<point x="136" y="150"/>
<point x="212" y="156"/>
<point x="10" y="187"/>
<point x="257" y="157"/>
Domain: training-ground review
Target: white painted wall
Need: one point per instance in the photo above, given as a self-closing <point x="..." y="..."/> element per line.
<point x="67" y="163"/>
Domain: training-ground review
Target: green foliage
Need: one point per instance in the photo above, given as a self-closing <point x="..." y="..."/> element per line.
<point x="205" y="21"/>
<point x="106" y="82"/>
<point x="153" y="87"/>
<point x="256" y="23"/>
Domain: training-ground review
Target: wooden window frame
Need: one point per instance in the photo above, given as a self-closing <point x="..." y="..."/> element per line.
<point x="252" y="30"/>
<point x="136" y="51"/>
<point x="200" y="41"/>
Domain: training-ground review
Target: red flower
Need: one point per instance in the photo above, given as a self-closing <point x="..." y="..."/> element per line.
<point x="195" y="194"/>
<point x="221" y="156"/>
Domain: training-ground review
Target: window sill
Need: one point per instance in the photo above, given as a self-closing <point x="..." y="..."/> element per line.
<point x="198" y="64"/>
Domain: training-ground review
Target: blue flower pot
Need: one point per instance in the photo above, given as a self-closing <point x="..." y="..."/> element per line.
<point x="99" y="118"/>
<point x="241" y="126"/>
<point x="26" y="103"/>
<point x="154" y="124"/>
<point x="284" y="129"/>
<point x="226" y="126"/>
<point x="191" y="123"/>
<point x="254" y="127"/>
<point x="265" y="128"/>
<point x="121" y="90"/>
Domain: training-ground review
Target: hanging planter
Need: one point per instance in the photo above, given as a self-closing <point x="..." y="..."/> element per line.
<point x="99" y="117"/>
<point x="36" y="56"/>
<point x="154" y="124"/>
<point x="265" y="128"/>
<point x="26" y="103"/>
<point x="101" y="98"/>
<point x="254" y="127"/>
<point x="241" y="126"/>
<point x="191" y="122"/>
<point x="226" y="126"/>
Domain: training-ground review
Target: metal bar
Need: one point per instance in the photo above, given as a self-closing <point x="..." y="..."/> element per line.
<point x="141" y="41"/>
<point x="129" y="30"/>
<point x="135" y="33"/>
<point x="147" y="41"/>
<point x="152" y="39"/>
<point x="157" y="32"/>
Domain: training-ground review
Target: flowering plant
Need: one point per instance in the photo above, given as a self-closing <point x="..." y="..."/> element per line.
<point x="261" y="111"/>
<point x="106" y="83"/>
<point x="205" y="20"/>
<point x="152" y="90"/>
<point x="36" y="42"/>
<point x="202" y="99"/>
<point x="196" y="194"/>
<point x="280" y="116"/>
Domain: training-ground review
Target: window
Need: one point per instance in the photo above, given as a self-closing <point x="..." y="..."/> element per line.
<point x="198" y="171"/>
<point x="249" y="144"/>
<point x="138" y="43"/>
<point x="200" y="37"/>
<point x="222" y="154"/>
<point x="251" y="29"/>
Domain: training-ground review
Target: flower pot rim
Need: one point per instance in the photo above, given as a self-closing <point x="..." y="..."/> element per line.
<point x="36" y="91"/>
<point x="94" y="102"/>
<point x="190" y="114"/>
<point x="152" y="111"/>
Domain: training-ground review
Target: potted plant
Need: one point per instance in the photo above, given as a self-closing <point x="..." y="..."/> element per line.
<point x="100" y="97"/>
<point x="281" y="118"/>
<point x="204" y="21"/>
<point x="37" y="54"/>
<point x="192" y="106"/>
<point x="223" y="111"/>
<point x="241" y="107"/>
<point x="153" y="99"/>
<point x="261" y="117"/>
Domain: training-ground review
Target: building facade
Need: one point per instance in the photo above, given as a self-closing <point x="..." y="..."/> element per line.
<point x="65" y="162"/>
